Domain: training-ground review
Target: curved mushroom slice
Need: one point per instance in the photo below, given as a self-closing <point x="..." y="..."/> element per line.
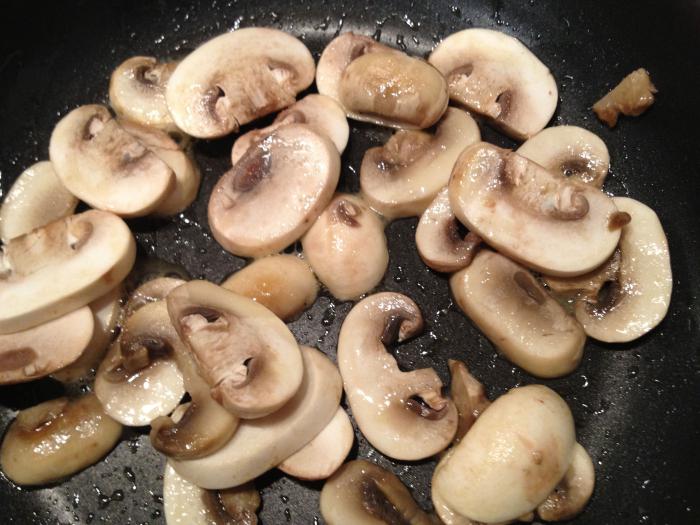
<point x="107" y="167"/>
<point x="496" y="76"/>
<point x="236" y="78"/>
<point x="637" y="300"/>
<point x="55" y="439"/>
<point x="261" y="444"/>
<point x="632" y="96"/>
<point x="294" y="171"/>
<point x="92" y="252"/>
<point x="149" y="292"/>
<point x="346" y="247"/>
<point x="551" y="224"/>
<point x="402" y="414"/>
<point x="587" y="285"/>
<point x="440" y="243"/>
<point x="518" y="315"/>
<point x="282" y="283"/>
<point x="36" y="198"/>
<point x="468" y="395"/>
<point x="401" y="178"/>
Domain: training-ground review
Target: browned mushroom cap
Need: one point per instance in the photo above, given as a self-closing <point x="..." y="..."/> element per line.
<point x="549" y="223"/>
<point x="275" y="192"/>
<point x="402" y="414"/>
<point x="468" y="395"/>
<point x="235" y="78"/>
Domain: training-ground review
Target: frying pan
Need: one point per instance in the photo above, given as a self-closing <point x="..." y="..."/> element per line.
<point x="635" y="405"/>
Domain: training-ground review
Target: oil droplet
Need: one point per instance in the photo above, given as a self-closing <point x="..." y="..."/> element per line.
<point x="400" y="42"/>
<point x="285" y="499"/>
<point x="288" y="514"/>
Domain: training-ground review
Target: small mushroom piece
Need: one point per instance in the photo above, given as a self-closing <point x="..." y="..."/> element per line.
<point x="236" y="78"/>
<point x="282" y="283"/>
<point x="637" y="299"/>
<point x="632" y="97"/>
<point x="363" y="493"/>
<point x="401" y="178"/>
<point x="402" y="414"/>
<point x="572" y="151"/>
<point x="56" y="439"/>
<point x="294" y="171"/>
<point x="518" y="315"/>
<point x="551" y="224"/>
<point x="36" y="198"/>
<point x="149" y="292"/>
<point x="346" y="247"/>
<point x="495" y="75"/>
<point x="324" y="454"/>
<point x="439" y="239"/>
<point x="92" y="252"/>
<point x="468" y="395"/>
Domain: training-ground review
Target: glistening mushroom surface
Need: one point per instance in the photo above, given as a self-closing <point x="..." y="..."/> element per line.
<point x="632" y="96"/>
<point x="468" y="395"/>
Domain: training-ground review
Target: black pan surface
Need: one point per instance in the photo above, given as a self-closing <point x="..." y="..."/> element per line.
<point x="636" y="406"/>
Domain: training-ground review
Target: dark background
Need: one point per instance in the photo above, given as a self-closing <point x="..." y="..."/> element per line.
<point x="636" y="406"/>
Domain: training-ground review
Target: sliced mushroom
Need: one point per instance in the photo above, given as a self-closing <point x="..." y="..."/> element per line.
<point x="294" y="171"/>
<point x="92" y="252"/>
<point x="495" y="75"/>
<point x="261" y="444"/>
<point x="236" y="78"/>
<point x="401" y="178"/>
<point x="637" y="299"/>
<point x="102" y="164"/>
<point x="587" y="285"/>
<point x="554" y="225"/>
<point x="446" y="514"/>
<point x="56" y="439"/>
<point x="572" y="151"/>
<point x="402" y="414"/>
<point x="518" y="315"/>
<point x="36" y="198"/>
<point x="468" y="395"/>
<point x="439" y="239"/>
<point x="149" y="292"/>
<point x="632" y="96"/>
<point x="346" y="247"/>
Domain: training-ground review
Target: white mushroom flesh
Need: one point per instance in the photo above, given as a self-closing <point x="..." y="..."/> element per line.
<point x="632" y="96"/>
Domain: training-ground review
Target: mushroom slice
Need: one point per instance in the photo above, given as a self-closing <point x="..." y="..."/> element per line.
<point x="402" y="414"/>
<point x="518" y="315"/>
<point x="92" y="252"/>
<point x="401" y="178"/>
<point x="346" y="247"/>
<point x="283" y="283"/>
<point x="36" y="198"/>
<point x="293" y="171"/>
<point x="324" y="454"/>
<point x="632" y="96"/>
<point x="587" y="285"/>
<point x="56" y="439"/>
<point x="637" y="299"/>
<point x="468" y="395"/>
<point x="261" y="444"/>
<point x="554" y="225"/>
<point x="440" y="243"/>
<point x="236" y="78"/>
<point x="149" y="292"/>
<point x="137" y="91"/>
<point x="105" y="166"/>
<point x="320" y="113"/>
<point x="245" y="353"/>
<point x="496" y="76"/>
<point x="363" y="493"/>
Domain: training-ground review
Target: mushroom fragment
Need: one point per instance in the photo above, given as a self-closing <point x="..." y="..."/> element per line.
<point x="346" y="247"/>
<point x="587" y="285"/>
<point x="551" y="224"/>
<point x="402" y="414"/>
<point x="468" y="395"/>
<point x="495" y="75"/>
<point x="293" y="171"/>
<point x="149" y="292"/>
<point x="401" y="178"/>
<point x="632" y="97"/>
<point x="236" y="78"/>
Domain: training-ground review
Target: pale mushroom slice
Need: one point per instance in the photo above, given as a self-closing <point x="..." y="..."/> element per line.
<point x="519" y="317"/>
<point x="102" y="164"/>
<point x="293" y="171"/>
<point x="347" y="248"/>
<point x="246" y="354"/>
<point x="632" y="96"/>
<point x="402" y="414"/>
<point x="551" y="224"/>
<point x="149" y="292"/>
<point x="637" y="299"/>
<point x="572" y="151"/>
<point x="236" y="78"/>
<point x="401" y="178"/>
<point x="587" y="285"/>
<point x="92" y="252"/>
<point x="439" y="239"/>
<point x="261" y="444"/>
<point x="495" y="75"/>
<point x="36" y="198"/>
<point x="468" y="395"/>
